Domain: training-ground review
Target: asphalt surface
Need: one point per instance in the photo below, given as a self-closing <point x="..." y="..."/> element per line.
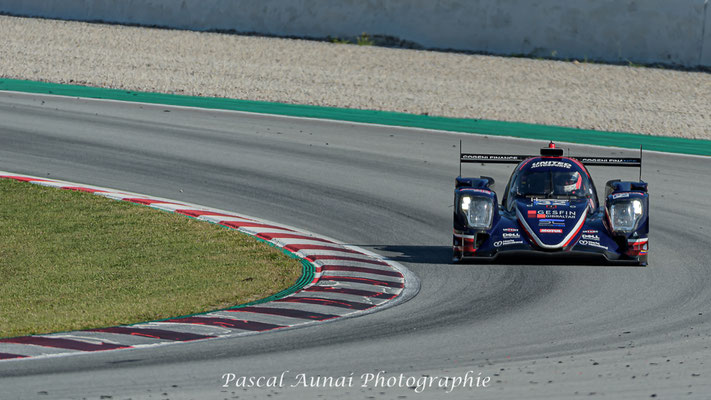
<point x="543" y="330"/>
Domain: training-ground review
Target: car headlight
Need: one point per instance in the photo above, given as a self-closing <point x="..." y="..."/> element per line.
<point x="479" y="211"/>
<point x="625" y="214"/>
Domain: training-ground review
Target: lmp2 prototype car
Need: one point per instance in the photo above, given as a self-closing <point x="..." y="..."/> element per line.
<point x="550" y="205"/>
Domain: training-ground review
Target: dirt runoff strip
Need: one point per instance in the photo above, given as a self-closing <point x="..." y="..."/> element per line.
<point x="575" y="94"/>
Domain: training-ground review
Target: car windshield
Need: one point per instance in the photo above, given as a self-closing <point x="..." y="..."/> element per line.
<point x="550" y="183"/>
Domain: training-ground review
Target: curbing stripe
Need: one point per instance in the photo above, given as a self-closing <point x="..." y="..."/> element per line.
<point x="226" y="323"/>
<point x="271" y="236"/>
<point x="239" y="225"/>
<point x="292" y="307"/>
<point x="203" y="213"/>
<point x="281" y="320"/>
<point x="147" y="202"/>
<point x="361" y="269"/>
<point x="372" y="301"/>
<point x="319" y="257"/>
<point x="285" y="312"/>
<point x="356" y="292"/>
<point x="8" y="356"/>
<point x="152" y="333"/>
<point x="300" y="247"/>
<point x="24" y="178"/>
<point x="63" y="343"/>
<point x="326" y="302"/>
<point x="364" y="281"/>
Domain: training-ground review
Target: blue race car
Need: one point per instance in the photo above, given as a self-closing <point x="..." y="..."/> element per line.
<point x="550" y="205"/>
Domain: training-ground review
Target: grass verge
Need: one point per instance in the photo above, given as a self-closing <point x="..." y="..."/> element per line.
<point x="72" y="260"/>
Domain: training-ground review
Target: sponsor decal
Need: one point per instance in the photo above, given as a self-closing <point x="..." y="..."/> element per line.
<point x="637" y="247"/>
<point x="591" y="244"/>
<point x="620" y="195"/>
<point x="508" y="242"/>
<point x="490" y="157"/>
<point x="546" y="230"/>
<point x="511" y="235"/>
<point x="476" y="190"/>
<point x="536" y="214"/>
<point x="643" y="240"/>
<point x="591" y="237"/>
<point x="561" y="214"/>
<point x="607" y="160"/>
<point x="510" y="229"/>
<point x="552" y="214"/>
<point x="552" y="202"/>
<point x="559" y="164"/>
<point x="590" y="231"/>
<point x="551" y="222"/>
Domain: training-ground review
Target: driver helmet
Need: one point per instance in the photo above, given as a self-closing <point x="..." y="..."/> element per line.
<point x="568" y="182"/>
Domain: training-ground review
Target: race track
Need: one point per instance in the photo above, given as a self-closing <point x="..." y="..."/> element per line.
<point x="539" y="331"/>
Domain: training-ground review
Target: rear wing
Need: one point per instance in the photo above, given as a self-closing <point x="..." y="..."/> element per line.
<point x="612" y="162"/>
<point x="551" y="151"/>
<point x="491" y="158"/>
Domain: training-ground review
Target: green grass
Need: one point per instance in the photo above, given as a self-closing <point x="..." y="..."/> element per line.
<point x="338" y="40"/>
<point x="71" y="260"/>
<point x="364" y="40"/>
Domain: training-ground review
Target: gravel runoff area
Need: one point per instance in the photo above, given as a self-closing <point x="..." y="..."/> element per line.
<point x="576" y="94"/>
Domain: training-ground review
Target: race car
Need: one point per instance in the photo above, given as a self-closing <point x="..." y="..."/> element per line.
<point x="550" y="205"/>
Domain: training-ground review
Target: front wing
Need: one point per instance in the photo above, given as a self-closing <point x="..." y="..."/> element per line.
<point x="507" y="237"/>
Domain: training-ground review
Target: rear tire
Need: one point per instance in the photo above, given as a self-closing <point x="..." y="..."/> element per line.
<point x="456" y="257"/>
<point x="644" y="260"/>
